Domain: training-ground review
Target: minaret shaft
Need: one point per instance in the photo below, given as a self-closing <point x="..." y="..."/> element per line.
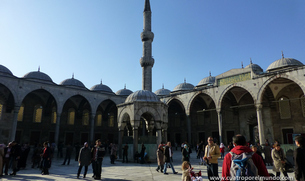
<point x="146" y="61"/>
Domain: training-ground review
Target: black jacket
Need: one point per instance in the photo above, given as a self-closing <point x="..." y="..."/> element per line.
<point x="299" y="160"/>
<point x="100" y="152"/>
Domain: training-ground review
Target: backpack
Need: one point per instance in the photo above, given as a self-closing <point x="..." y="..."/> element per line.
<point x="242" y="166"/>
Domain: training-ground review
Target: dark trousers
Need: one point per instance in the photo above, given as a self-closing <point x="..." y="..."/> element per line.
<point x="67" y="157"/>
<point x="97" y="168"/>
<point x="125" y="156"/>
<point x="6" y="162"/>
<point x="112" y="158"/>
<point x="80" y="169"/>
<point x="284" y="173"/>
<point x="212" y="170"/>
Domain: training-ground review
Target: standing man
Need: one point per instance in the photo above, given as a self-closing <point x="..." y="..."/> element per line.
<point x="212" y="153"/>
<point x="167" y="156"/>
<point x="125" y="153"/>
<point x="68" y="154"/>
<point x="15" y="156"/>
<point x="299" y="159"/>
<point x="241" y="147"/>
<point x="97" y="155"/>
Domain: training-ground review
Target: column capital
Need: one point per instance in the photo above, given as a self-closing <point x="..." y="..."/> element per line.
<point x="259" y="106"/>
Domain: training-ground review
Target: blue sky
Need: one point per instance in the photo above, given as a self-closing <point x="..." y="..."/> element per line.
<point x="100" y="39"/>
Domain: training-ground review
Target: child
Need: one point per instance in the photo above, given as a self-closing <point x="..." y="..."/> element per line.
<point x="186" y="176"/>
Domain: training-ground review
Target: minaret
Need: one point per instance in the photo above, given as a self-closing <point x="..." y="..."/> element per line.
<point x="146" y="61"/>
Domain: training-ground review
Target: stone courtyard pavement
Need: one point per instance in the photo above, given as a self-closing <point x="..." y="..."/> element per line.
<point x="112" y="172"/>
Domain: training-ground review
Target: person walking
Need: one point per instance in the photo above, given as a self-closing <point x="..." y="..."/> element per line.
<point x="97" y="156"/>
<point x="6" y="158"/>
<point x="160" y="158"/>
<point x="84" y="159"/>
<point x="212" y="153"/>
<point x="168" y="160"/>
<point x="46" y="158"/>
<point x="68" y="154"/>
<point x="113" y="153"/>
<point x="278" y="157"/>
<point x="185" y="154"/>
<point x="125" y="153"/>
<point x="15" y="156"/>
<point x="299" y="159"/>
<point x="267" y="151"/>
<point x="240" y="143"/>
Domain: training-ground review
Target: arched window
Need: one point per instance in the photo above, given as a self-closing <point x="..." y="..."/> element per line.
<point x="110" y="120"/>
<point x="98" y="119"/>
<point x="85" y="118"/>
<point x="303" y="105"/>
<point x="37" y="113"/>
<point x="71" y="116"/>
<point x="284" y="108"/>
<point x="20" y="113"/>
<point x="53" y="116"/>
<point x="177" y="119"/>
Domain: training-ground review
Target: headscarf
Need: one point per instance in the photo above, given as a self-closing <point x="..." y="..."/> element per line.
<point x="222" y="145"/>
<point x="186" y="147"/>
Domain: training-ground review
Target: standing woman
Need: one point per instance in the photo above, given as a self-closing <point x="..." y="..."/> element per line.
<point x="278" y="157"/>
<point x="84" y="159"/>
<point x="113" y="153"/>
<point x="46" y="158"/>
<point x="299" y="159"/>
<point x="160" y="158"/>
<point x="185" y="153"/>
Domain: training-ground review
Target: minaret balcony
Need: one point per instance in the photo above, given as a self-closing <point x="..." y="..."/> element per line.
<point x="147" y="36"/>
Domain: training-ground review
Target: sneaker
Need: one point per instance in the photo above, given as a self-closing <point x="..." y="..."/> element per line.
<point x="175" y="172"/>
<point x="166" y="173"/>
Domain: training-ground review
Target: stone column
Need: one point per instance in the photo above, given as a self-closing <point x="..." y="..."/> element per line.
<point x="92" y="128"/>
<point x="260" y="123"/>
<point x="189" y="133"/>
<point x="121" y="133"/>
<point x="135" y="140"/>
<point x="14" y="125"/>
<point x="219" y="115"/>
<point x="159" y="136"/>
<point x="164" y="130"/>
<point x="57" y="128"/>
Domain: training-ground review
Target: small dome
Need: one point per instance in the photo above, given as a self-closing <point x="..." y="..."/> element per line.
<point x="208" y="80"/>
<point x="142" y="95"/>
<point x="284" y="62"/>
<point x="256" y="68"/>
<point x="101" y="88"/>
<point x="184" y="86"/>
<point x="124" y="92"/>
<point x="37" y="75"/>
<point x="163" y="92"/>
<point x="5" y="70"/>
<point x="73" y="82"/>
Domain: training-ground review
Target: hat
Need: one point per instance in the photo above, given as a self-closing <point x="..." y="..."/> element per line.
<point x="85" y="143"/>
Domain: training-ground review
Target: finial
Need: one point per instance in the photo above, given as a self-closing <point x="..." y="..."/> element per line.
<point x="282" y="54"/>
<point x="147" y="6"/>
<point x="39" y="68"/>
<point x="250" y="60"/>
<point x="210" y="74"/>
<point x="163" y="86"/>
<point x="242" y="65"/>
<point x="101" y="81"/>
<point x="184" y="80"/>
<point x="73" y="75"/>
<point x="125" y="86"/>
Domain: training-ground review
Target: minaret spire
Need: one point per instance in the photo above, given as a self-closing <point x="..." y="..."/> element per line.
<point x="146" y="61"/>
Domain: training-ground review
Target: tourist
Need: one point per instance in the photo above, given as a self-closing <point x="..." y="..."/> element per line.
<point x="212" y="153"/>
<point x="68" y="154"/>
<point x="46" y="158"/>
<point x="299" y="159"/>
<point x="185" y="154"/>
<point x="167" y="156"/>
<point x="186" y="169"/>
<point x="267" y="151"/>
<point x="125" y="153"/>
<point x="7" y="156"/>
<point x="222" y="150"/>
<point x="160" y="158"/>
<point x="15" y="156"/>
<point x="113" y="153"/>
<point x="142" y="153"/>
<point x="84" y="159"/>
<point x="97" y="156"/>
<point x="278" y="157"/>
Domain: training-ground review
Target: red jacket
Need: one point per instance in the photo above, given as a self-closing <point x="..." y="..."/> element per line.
<point x="258" y="162"/>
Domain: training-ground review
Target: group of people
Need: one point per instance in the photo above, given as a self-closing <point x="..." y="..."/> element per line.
<point x="241" y="153"/>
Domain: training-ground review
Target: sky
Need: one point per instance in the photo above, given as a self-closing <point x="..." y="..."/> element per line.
<point x="99" y="40"/>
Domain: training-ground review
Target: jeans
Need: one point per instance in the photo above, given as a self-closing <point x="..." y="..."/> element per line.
<point x="97" y="167"/>
<point x="125" y="156"/>
<point x="212" y="170"/>
<point x="165" y="166"/>
<point x="80" y="169"/>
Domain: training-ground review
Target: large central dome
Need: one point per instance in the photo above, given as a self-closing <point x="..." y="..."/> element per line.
<point x="142" y="95"/>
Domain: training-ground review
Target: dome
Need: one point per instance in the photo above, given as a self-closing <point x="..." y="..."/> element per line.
<point x="284" y="62"/>
<point x="142" y="95"/>
<point x="101" y="88"/>
<point x="38" y="76"/>
<point x="184" y="86"/>
<point x="208" y="80"/>
<point x="73" y="82"/>
<point x="163" y="92"/>
<point x="124" y="92"/>
<point x="256" y="68"/>
<point x="5" y="70"/>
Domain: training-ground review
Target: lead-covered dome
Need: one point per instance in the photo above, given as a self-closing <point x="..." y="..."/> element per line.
<point x="208" y="80"/>
<point x="4" y="70"/>
<point x="73" y="83"/>
<point x="255" y="68"/>
<point x="162" y="92"/>
<point x="142" y="95"/>
<point x="184" y="86"/>
<point x="37" y="75"/>
<point x="284" y="62"/>
<point x="101" y="88"/>
<point x="123" y="92"/>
